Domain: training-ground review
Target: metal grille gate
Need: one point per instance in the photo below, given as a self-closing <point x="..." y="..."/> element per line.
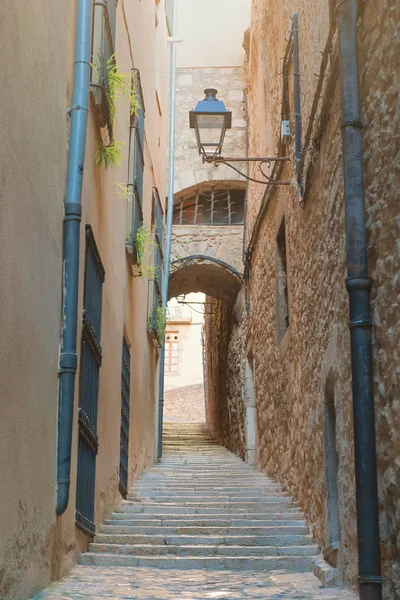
<point x="125" y="409"/>
<point x="91" y="355"/>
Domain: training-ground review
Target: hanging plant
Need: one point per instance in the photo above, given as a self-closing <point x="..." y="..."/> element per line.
<point x="109" y="155"/>
<point x="145" y="247"/>
<point x="157" y="322"/>
<point x="118" y="86"/>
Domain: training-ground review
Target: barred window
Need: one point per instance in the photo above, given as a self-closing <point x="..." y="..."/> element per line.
<point x="218" y="206"/>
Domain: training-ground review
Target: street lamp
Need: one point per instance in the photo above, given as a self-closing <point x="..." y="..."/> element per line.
<point x="210" y="120"/>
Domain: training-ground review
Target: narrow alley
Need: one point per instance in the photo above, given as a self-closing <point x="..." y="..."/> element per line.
<point x="200" y="300"/>
<point x="201" y="524"/>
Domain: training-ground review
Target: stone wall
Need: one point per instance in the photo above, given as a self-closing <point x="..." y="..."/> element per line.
<point x="223" y="243"/>
<point x="291" y="371"/>
<point x="191" y="82"/>
<point x="223" y="342"/>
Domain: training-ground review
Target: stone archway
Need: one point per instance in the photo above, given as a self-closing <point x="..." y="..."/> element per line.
<point x="206" y="274"/>
<point x="207" y="257"/>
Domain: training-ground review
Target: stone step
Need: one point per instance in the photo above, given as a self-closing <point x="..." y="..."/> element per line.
<point x="238" y="519"/>
<point x="149" y="508"/>
<point x="205" y="540"/>
<point x="216" y="497"/>
<point x="203" y="508"/>
<point x="206" y="479"/>
<point x="294" y="563"/>
<point x="202" y="531"/>
<point x="245" y="503"/>
<point x="148" y="550"/>
<point x="227" y="524"/>
<point x="192" y="490"/>
<point x="124" y="522"/>
<point x="228" y="487"/>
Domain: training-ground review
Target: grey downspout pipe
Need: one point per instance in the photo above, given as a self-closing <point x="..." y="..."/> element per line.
<point x="170" y="214"/>
<point x="297" y="101"/>
<point x="72" y="219"/>
<point x="358" y="285"/>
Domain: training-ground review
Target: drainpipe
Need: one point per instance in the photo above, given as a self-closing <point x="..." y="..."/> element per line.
<point x="168" y="234"/>
<point x="72" y="219"/>
<point x="358" y="285"/>
<point x="297" y="101"/>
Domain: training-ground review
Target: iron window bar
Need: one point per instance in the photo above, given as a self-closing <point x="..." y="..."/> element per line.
<point x="226" y="205"/>
<point x="125" y="419"/>
<point x="105" y="51"/>
<point x="91" y="358"/>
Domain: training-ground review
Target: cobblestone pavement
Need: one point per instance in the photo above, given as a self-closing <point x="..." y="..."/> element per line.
<point x="120" y="583"/>
<point x="185" y="404"/>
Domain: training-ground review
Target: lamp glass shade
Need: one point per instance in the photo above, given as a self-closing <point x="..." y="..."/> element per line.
<point x="210" y="119"/>
<point x="211" y="131"/>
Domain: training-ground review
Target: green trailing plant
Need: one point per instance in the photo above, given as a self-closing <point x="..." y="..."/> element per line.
<point x="109" y="155"/>
<point x="161" y="323"/>
<point x="158" y="322"/>
<point x="123" y="191"/>
<point x="145" y="247"/>
<point x="118" y="85"/>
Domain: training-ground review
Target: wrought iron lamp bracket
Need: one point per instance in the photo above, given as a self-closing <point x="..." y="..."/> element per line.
<point x="267" y="180"/>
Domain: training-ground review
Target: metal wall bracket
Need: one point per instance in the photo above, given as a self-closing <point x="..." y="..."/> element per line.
<point x="261" y="161"/>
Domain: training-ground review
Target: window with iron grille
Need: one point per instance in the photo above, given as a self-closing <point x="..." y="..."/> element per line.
<point x="91" y="356"/>
<point x="155" y="285"/>
<point x="125" y="410"/>
<point x="103" y="49"/>
<point x="218" y="206"/>
<point x="158" y="239"/>
<point x="172" y="352"/>
<point x="136" y="160"/>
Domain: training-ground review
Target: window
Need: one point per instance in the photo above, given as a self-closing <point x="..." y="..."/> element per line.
<point x="282" y="281"/>
<point x="125" y="410"/>
<point x="218" y="206"/>
<point x="136" y="160"/>
<point x="172" y="352"/>
<point x="103" y="48"/>
<point x="158" y="239"/>
<point x="155" y="314"/>
<point x="91" y="357"/>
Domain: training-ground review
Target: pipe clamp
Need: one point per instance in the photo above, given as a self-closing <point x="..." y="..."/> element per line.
<point x="73" y="211"/>
<point x="354" y="284"/>
<point x="371" y="579"/>
<point x="364" y="323"/>
<point x="68" y="362"/>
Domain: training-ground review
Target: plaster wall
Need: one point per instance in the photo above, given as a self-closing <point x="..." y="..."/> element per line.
<point x="203" y="25"/>
<point x="190" y="362"/>
<point x="34" y="132"/>
<point x="35" y="546"/>
<point x="125" y="297"/>
<point x="190" y="355"/>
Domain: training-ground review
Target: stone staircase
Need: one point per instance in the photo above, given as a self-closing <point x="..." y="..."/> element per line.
<point x="203" y="508"/>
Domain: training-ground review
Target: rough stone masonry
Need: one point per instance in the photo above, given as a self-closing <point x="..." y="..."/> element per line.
<point x="296" y="322"/>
